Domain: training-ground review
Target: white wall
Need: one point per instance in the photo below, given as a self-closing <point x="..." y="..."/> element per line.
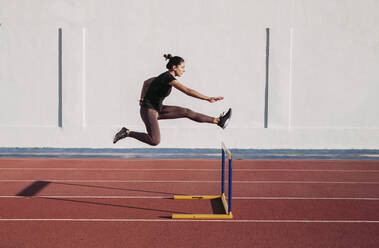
<point x="324" y="74"/>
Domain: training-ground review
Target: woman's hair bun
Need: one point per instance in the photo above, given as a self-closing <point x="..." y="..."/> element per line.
<point x="167" y="56"/>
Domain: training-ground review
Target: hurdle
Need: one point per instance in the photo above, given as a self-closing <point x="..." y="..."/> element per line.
<point x="226" y="204"/>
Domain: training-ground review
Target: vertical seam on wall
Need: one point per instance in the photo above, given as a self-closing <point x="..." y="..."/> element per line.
<point x="267" y="75"/>
<point x="84" y="77"/>
<point x="290" y="80"/>
<point x="60" y="78"/>
<point x="293" y="4"/>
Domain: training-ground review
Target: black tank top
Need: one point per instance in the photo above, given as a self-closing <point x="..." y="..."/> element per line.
<point x="158" y="90"/>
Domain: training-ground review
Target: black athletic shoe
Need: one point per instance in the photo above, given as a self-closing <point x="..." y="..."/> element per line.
<point x="224" y="119"/>
<point x="120" y="135"/>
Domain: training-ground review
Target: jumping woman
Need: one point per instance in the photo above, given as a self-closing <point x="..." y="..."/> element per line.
<point x="154" y="91"/>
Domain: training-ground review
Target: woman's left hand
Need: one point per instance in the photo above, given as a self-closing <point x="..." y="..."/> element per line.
<point x="215" y="99"/>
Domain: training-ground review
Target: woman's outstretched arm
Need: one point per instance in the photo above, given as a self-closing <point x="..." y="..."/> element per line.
<point x="194" y="93"/>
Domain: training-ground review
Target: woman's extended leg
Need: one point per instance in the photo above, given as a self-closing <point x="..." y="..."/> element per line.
<point x="174" y="112"/>
<point x="150" y="118"/>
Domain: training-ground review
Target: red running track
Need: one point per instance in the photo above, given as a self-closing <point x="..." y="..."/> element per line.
<point x="126" y="203"/>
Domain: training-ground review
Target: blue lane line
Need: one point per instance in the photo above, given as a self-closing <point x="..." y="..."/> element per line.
<point x="174" y="153"/>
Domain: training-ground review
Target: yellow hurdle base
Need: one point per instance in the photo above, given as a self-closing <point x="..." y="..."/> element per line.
<point x="202" y="216"/>
<point x="196" y="197"/>
<point x="227" y="215"/>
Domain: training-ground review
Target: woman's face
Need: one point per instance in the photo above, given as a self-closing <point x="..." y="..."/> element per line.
<point x="179" y="70"/>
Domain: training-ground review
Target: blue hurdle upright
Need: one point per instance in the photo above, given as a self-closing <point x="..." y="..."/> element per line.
<point x="227" y="205"/>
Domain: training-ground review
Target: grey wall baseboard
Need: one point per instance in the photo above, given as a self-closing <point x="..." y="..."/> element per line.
<point x="174" y="153"/>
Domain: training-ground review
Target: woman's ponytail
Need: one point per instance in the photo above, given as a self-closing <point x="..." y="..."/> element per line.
<point x="176" y="60"/>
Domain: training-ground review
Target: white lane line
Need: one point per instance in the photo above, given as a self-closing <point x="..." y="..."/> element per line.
<point x="179" y="220"/>
<point x="332" y="156"/>
<point x="303" y="198"/>
<point x="166" y="197"/>
<point x="177" y="169"/>
<point x="168" y="181"/>
<point x="116" y="154"/>
<point x="91" y="197"/>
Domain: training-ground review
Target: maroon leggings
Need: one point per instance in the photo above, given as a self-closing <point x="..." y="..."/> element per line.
<point x="150" y="117"/>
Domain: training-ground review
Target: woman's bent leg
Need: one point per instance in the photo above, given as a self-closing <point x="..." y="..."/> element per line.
<point x="150" y="118"/>
<point x="174" y="112"/>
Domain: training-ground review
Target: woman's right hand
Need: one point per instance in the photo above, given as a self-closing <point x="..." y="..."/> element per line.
<point x="215" y="99"/>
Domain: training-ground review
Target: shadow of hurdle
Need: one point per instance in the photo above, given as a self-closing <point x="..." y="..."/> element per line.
<point x="33" y="189"/>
